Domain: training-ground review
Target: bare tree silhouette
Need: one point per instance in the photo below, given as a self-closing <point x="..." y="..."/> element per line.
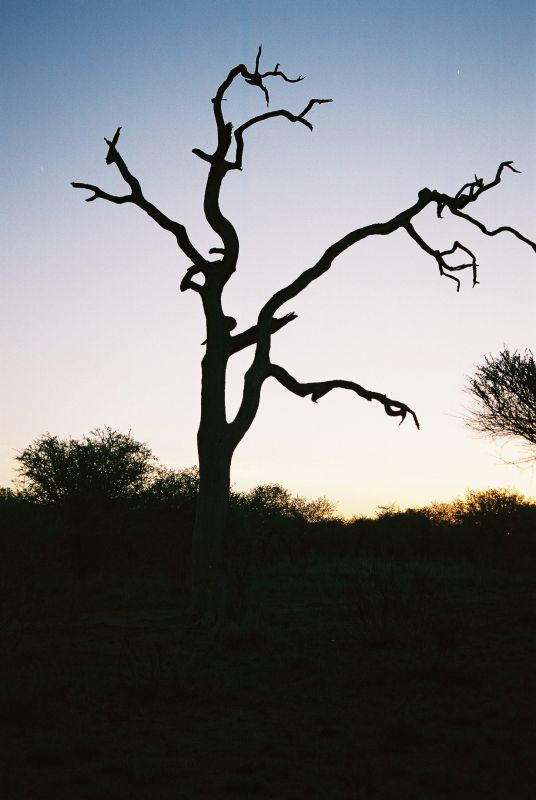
<point x="504" y="390"/>
<point x="218" y="437"/>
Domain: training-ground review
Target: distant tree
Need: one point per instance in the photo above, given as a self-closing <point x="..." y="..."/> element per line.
<point x="270" y="499"/>
<point x="7" y="495"/>
<point x="504" y="388"/>
<point x="100" y="469"/>
<point x="170" y="500"/>
<point x="318" y="510"/>
<point x="491" y="506"/>
<point x="173" y="488"/>
<point x="210" y="270"/>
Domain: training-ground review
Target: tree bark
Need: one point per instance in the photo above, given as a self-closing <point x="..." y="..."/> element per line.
<point x="210" y="592"/>
<point x="215" y="450"/>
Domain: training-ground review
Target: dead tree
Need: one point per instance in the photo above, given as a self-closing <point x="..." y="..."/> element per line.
<point x="208" y="274"/>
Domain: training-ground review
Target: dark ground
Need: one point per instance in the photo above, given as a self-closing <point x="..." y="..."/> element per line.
<point x="358" y="679"/>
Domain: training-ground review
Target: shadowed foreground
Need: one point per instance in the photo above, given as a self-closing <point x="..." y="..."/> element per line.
<point x="360" y="678"/>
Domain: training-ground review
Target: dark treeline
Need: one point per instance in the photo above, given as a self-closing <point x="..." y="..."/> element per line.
<point x="104" y="506"/>
<point x="361" y="657"/>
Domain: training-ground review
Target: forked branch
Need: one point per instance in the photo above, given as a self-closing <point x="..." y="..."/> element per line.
<point x="403" y="220"/>
<point x="439" y="255"/>
<point x="188" y="280"/>
<point x="219" y="162"/>
<point x="470" y="192"/>
<point x="136" y="197"/>
<point x="257" y="77"/>
<point x="317" y="389"/>
<point x="301" y="117"/>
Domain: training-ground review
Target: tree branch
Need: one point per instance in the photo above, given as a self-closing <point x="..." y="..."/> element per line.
<point x="471" y="191"/>
<point x="333" y="251"/>
<point x="219" y="166"/>
<point x="100" y="194"/>
<point x="477" y="187"/>
<point x="136" y="197"/>
<point x="392" y="408"/>
<point x="402" y="220"/>
<point x="256" y="78"/>
<point x="444" y="268"/>
<point x="188" y="282"/>
<point x="239" y="132"/>
<point x="501" y="229"/>
<point x="249" y="336"/>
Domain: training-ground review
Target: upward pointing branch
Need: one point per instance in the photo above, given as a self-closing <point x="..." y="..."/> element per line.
<point x="403" y="220"/>
<point x="220" y="165"/>
<point x="257" y="78"/>
<point x="136" y="198"/>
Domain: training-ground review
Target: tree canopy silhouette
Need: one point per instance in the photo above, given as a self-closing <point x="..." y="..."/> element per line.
<point x="504" y="388"/>
<point x="209" y="272"/>
<point x="75" y="474"/>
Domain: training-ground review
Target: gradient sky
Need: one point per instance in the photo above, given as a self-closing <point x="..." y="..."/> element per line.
<point x="94" y="330"/>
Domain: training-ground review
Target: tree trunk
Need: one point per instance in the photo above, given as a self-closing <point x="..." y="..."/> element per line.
<point x="209" y="583"/>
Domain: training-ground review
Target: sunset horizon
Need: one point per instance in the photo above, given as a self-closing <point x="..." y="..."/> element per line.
<point x="95" y="330"/>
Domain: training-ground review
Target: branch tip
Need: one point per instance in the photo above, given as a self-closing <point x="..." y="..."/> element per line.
<point x="317" y="389"/>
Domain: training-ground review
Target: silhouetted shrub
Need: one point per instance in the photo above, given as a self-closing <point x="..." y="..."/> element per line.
<point x="272" y="523"/>
<point x="30" y="542"/>
<point x="494" y="524"/>
<point x="103" y="507"/>
<point x="501" y="521"/>
<point x="172" y="494"/>
<point x="90" y="481"/>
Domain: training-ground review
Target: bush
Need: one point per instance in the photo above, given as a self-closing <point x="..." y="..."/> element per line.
<point x="87" y="479"/>
<point x="494" y="523"/>
<point x="275" y="523"/>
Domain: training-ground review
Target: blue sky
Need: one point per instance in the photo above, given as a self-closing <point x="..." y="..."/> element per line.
<point x="93" y="328"/>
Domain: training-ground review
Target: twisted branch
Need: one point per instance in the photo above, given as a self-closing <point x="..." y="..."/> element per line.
<point x="136" y="197"/>
<point x="444" y="268"/>
<point x="468" y="193"/>
<point x="239" y="132"/>
<point x="188" y="282"/>
<point x="501" y="229"/>
<point x="256" y="78"/>
<point x="477" y="187"/>
<point x="317" y="389"/>
<point x="260" y="366"/>
<point x="219" y="165"/>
